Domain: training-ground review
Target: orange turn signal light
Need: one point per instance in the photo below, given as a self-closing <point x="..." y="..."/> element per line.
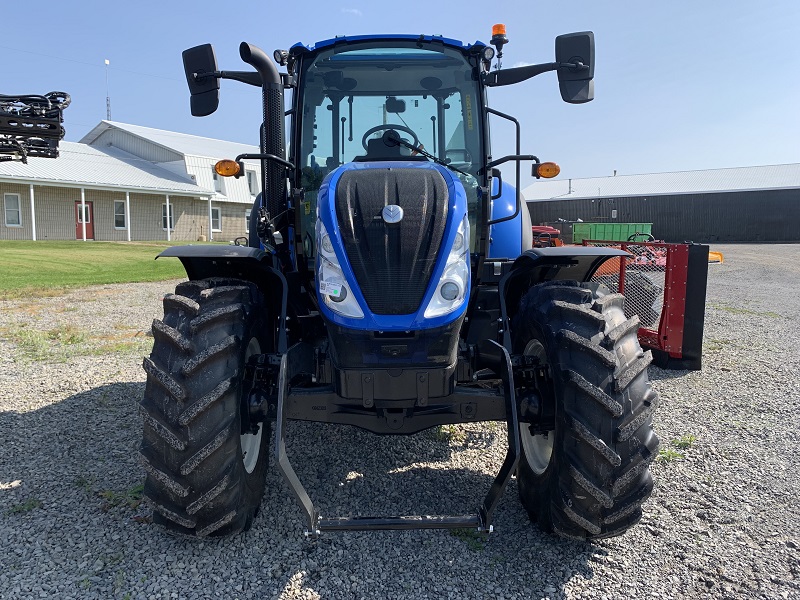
<point x="498" y="29"/>
<point x="546" y="170"/>
<point x="227" y="168"/>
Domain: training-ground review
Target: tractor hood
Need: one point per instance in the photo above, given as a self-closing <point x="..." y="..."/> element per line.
<point x="392" y="246"/>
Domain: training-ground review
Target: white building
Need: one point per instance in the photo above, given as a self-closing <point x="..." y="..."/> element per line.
<point x="120" y="183"/>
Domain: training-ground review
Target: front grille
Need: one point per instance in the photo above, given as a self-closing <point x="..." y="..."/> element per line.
<point x="392" y="263"/>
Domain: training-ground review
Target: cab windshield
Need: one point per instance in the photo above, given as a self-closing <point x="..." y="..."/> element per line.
<point x="352" y="94"/>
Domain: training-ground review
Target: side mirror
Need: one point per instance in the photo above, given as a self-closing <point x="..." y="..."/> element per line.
<point x="576" y="84"/>
<point x="204" y="89"/>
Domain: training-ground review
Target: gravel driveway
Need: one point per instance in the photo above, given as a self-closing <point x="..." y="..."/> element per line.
<point x="722" y="521"/>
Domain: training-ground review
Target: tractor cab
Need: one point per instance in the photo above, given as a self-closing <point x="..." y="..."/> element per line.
<point x="396" y="100"/>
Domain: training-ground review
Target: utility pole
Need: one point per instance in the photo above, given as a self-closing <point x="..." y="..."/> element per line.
<point x="108" y="98"/>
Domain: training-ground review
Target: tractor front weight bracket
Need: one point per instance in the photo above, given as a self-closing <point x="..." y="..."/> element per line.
<point x="482" y="520"/>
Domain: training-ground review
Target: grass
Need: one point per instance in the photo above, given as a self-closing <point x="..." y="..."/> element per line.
<point x="684" y="442"/>
<point x="84" y="483"/>
<point x="66" y="341"/>
<point x="66" y="335"/>
<point x="736" y="310"/>
<point x="131" y="498"/>
<point x="135" y="346"/>
<point x="715" y="345"/>
<point x="24" y="507"/>
<point x="669" y="455"/>
<point x="32" y="344"/>
<point x="449" y="434"/>
<point x="475" y="541"/>
<point x="672" y="454"/>
<point x="57" y="343"/>
<point x="47" y="268"/>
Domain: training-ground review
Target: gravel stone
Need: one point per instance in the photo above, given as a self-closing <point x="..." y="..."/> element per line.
<point x="722" y="521"/>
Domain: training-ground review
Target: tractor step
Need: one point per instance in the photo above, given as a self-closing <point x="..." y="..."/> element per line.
<point x="409" y="522"/>
<point x="481" y="521"/>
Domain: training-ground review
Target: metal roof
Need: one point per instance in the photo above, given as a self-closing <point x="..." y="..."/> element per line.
<point x="182" y="143"/>
<point x="107" y="168"/>
<point x="739" y="179"/>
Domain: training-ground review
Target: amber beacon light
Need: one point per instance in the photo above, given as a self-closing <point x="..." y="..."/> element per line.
<point x="546" y="170"/>
<point x="499" y="40"/>
<point x="227" y="168"/>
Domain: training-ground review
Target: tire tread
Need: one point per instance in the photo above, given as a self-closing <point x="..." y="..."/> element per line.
<point x="596" y="485"/>
<point x="195" y="481"/>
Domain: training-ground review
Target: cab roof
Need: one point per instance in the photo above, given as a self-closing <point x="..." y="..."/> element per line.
<point x="352" y="39"/>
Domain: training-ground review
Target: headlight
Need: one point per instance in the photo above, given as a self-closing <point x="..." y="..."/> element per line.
<point x="330" y="279"/>
<point x="451" y="290"/>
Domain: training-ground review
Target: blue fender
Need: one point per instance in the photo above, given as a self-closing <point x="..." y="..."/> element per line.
<point x="510" y="238"/>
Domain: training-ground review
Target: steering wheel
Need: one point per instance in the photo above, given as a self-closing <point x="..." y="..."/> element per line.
<point x="377" y="128"/>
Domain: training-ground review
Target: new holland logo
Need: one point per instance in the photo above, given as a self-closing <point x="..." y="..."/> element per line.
<point x="392" y="213"/>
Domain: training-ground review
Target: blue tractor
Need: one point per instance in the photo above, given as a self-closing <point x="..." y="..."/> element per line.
<point x="389" y="282"/>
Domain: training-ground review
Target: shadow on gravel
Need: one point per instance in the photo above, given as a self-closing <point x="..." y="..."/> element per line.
<point x="658" y="374"/>
<point x="72" y="518"/>
<point x="73" y="450"/>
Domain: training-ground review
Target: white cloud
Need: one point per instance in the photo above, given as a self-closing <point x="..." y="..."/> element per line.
<point x="353" y="11"/>
<point x="522" y="64"/>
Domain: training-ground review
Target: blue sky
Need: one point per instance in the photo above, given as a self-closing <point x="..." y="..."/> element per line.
<point x="679" y="85"/>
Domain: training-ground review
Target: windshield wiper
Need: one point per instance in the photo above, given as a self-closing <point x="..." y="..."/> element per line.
<point x="392" y="138"/>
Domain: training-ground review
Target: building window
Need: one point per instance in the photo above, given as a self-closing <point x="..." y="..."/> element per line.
<point x="247" y="220"/>
<point x="164" y="217"/>
<point x="119" y="214"/>
<point x="252" y="182"/>
<point x="216" y="224"/>
<point x="13" y="210"/>
<point x="217" y="181"/>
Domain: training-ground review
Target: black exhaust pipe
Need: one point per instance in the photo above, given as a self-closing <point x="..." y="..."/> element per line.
<point x="273" y="175"/>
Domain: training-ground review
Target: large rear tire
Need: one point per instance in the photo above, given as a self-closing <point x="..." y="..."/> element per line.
<point x="589" y="476"/>
<point x="205" y="475"/>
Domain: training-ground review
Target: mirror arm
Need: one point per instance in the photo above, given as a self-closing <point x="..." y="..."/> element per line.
<point x="512" y="76"/>
<point x="248" y="77"/>
<point x="505" y="159"/>
<point x="577" y="66"/>
<point x="268" y="157"/>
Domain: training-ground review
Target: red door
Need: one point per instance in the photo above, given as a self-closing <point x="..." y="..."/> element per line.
<point x="88" y="217"/>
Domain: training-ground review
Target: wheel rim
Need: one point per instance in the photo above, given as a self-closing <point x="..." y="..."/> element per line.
<point x="251" y="442"/>
<point x="538" y="448"/>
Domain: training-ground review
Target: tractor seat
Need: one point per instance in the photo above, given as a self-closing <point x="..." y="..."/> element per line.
<point x="378" y="150"/>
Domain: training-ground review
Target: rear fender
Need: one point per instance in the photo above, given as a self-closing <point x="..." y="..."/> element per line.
<point x="240" y="262"/>
<point x="538" y="265"/>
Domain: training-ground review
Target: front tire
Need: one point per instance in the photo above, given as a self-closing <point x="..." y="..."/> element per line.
<point x="205" y="475"/>
<point x="588" y="477"/>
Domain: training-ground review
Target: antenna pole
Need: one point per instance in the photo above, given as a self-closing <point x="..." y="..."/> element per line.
<point x="108" y="98"/>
